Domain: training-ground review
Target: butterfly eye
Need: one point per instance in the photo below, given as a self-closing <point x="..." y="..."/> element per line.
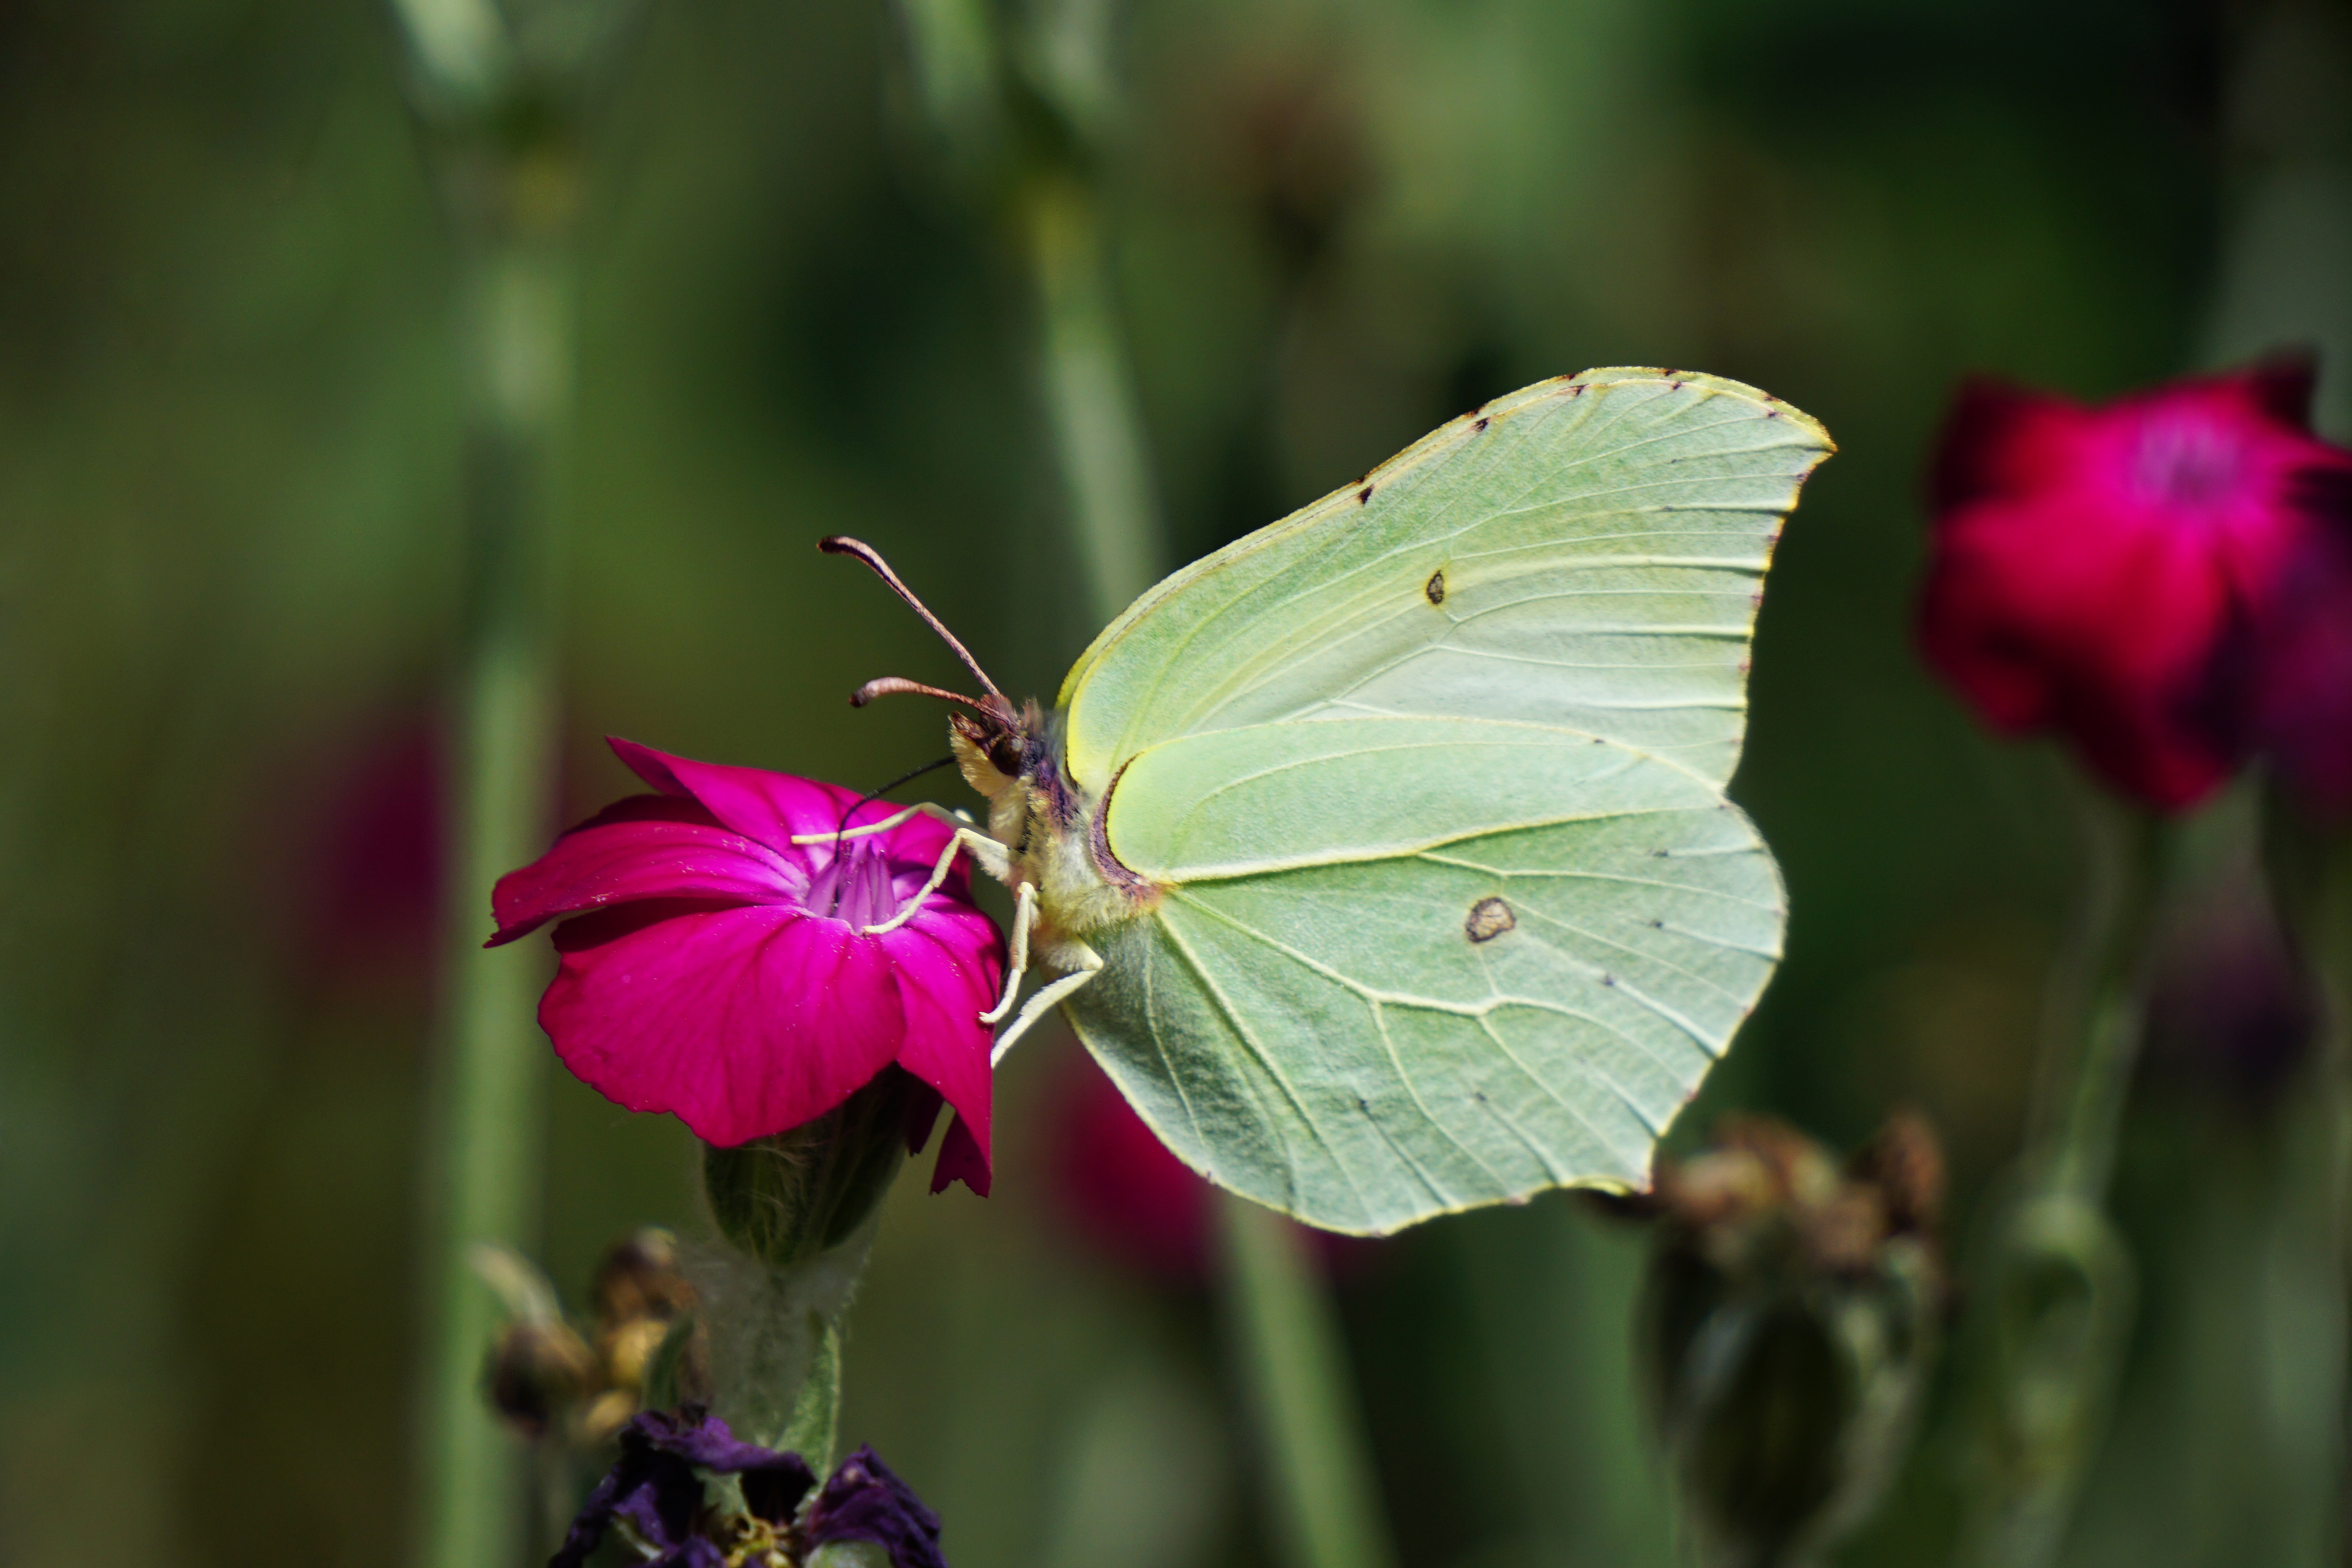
<point x="1006" y="753"/>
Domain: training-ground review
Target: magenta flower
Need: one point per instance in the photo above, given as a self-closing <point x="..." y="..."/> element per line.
<point x="2165" y="581"/>
<point x="714" y="969"/>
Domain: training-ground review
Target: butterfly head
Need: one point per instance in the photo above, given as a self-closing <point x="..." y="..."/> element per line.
<point x="994" y="743"/>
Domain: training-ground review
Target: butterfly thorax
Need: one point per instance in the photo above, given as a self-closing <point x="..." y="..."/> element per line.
<point x="1055" y="831"/>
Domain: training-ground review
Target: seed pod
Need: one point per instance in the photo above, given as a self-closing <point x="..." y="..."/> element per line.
<point x="789" y="1198"/>
<point x="1788" y="1322"/>
<point x="537" y="1374"/>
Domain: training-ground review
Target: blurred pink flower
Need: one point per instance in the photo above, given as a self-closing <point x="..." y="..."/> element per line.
<point x="1135" y="1202"/>
<point x="714" y="969"/>
<point x="2165" y="581"/>
<point x="1123" y="1193"/>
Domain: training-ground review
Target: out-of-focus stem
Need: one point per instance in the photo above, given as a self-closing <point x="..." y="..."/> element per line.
<point x="2056" y="1287"/>
<point x="1294" y="1366"/>
<point x="486" y="1141"/>
<point x="1089" y="399"/>
<point x="1324" y="1498"/>
<point x="2309" y="869"/>
<point x="2093" y="1026"/>
<point x="510" y="206"/>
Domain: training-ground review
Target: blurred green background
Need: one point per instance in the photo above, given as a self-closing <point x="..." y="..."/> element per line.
<point x="230" y="569"/>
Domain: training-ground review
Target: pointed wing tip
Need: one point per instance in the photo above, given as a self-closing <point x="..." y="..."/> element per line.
<point x="1768" y="405"/>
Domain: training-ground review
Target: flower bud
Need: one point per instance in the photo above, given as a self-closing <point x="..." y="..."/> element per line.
<point x="1788" y="1322"/>
<point x="538" y="1373"/>
<point x="640" y="1278"/>
<point x="790" y="1197"/>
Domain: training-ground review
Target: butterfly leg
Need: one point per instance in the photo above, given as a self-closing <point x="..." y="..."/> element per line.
<point x="986" y="853"/>
<point x="925" y="808"/>
<point x="1091" y="964"/>
<point x="1025" y="916"/>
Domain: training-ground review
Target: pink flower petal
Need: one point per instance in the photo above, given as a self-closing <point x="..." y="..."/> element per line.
<point x="2306" y="650"/>
<point x="949" y="967"/>
<point x="961" y="1159"/>
<point x="644" y="848"/>
<point x="741" y="1022"/>
<point x="771" y="807"/>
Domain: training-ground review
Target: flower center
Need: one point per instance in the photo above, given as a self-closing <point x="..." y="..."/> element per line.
<point x="2186" y="465"/>
<point x="855" y="886"/>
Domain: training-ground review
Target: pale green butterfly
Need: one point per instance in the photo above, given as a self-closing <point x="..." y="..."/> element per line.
<point x="1382" y="856"/>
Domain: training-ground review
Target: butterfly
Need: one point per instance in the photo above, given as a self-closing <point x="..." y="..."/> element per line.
<point x="1382" y="856"/>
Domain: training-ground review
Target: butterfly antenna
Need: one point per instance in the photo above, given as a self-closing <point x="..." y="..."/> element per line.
<point x="907" y="777"/>
<point x="900" y="686"/>
<point x="839" y="544"/>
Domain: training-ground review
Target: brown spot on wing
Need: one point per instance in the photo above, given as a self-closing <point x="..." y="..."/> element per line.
<point x="1488" y="919"/>
<point x="1434" y="589"/>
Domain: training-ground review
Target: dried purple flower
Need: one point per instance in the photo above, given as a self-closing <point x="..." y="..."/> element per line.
<point x="655" y="1489"/>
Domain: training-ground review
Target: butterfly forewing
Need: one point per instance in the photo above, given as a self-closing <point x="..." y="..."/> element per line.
<point x="1585" y="553"/>
<point x="1453" y="909"/>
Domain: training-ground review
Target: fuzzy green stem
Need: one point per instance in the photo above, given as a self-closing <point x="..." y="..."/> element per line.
<point x="813" y="1432"/>
<point x="1294" y="1366"/>
<point x="801" y="1209"/>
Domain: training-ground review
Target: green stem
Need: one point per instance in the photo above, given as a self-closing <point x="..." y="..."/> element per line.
<point x="510" y="206"/>
<point x="1293" y="1365"/>
<point x="1328" y="1502"/>
<point x="814" y="1430"/>
<point x="2056" y="1286"/>
<point x="487" y="1113"/>
<point x="1326" y="1496"/>
<point x="2309" y="869"/>
<point x="1090" y="400"/>
<point x="2094" y="1019"/>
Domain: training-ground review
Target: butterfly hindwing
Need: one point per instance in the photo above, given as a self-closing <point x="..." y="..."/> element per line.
<point x="1364" y="1025"/>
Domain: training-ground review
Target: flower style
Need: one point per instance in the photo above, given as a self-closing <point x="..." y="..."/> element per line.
<point x="2166" y="581"/>
<point x="714" y="968"/>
